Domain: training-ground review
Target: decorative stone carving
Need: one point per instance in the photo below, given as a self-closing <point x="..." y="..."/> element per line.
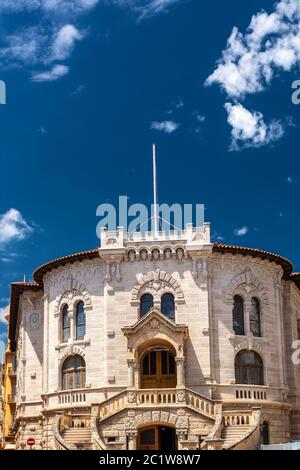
<point x="154" y="324"/>
<point x="180" y="397"/>
<point x="131" y="397"/>
<point x="76" y="289"/>
<point x="156" y="282"/>
<point x="248" y="284"/>
<point x="251" y="344"/>
<point x="131" y="256"/>
<point x="182" y="422"/>
<point x="180" y="254"/>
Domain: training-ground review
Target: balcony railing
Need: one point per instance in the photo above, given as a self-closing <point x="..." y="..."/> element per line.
<point x="252" y="393"/>
<point x="170" y="397"/>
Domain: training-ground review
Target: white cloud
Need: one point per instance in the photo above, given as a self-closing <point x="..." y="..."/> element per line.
<point x="199" y="117"/>
<point x="78" y="91"/>
<point x="64" y="41"/>
<point x="146" y="8"/>
<point x="271" y="43"/>
<point x="13" y="226"/>
<point x="165" y="126"/>
<point x="2" y="350"/>
<point x="3" y="313"/>
<point x="249" y="128"/>
<point x="51" y="37"/>
<point x="56" y="72"/>
<point x="241" y="232"/>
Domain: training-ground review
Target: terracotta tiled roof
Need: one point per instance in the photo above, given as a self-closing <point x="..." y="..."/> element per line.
<point x="44" y="268"/>
<point x="16" y="289"/>
<point x="295" y="277"/>
<point x="283" y="262"/>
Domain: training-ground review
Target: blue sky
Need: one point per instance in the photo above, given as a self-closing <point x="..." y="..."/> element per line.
<point x="91" y="84"/>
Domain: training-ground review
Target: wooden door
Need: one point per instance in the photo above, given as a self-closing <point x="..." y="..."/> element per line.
<point x="158" y="370"/>
<point x="148" y="439"/>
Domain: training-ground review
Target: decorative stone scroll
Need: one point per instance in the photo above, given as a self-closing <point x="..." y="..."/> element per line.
<point x="246" y="283"/>
<point x="155" y="283"/>
<point x="72" y="290"/>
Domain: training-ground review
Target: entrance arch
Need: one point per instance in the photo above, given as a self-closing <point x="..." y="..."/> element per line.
<point x="158" y="368"/>
<point x="159" y="437"/>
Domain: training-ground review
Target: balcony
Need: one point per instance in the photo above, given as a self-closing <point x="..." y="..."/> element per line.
<point x="250" y="393"/>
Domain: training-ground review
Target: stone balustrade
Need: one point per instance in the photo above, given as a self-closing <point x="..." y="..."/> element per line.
<point x="157" y="398"/>
<point x="249" y="393"/>
<point x="169" y="397"/>
<point x="232" y="418"/>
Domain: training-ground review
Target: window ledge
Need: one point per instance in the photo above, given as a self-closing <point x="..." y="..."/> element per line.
<point x="76" y="342"/>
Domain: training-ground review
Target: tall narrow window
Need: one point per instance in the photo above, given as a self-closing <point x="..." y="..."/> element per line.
<point x="168" y="306"/>
<point x="298" y="329"/>
<point x="249" y="368"/>
<point x="254" y="317"/>
<point x="80" y="321"/>
<point x="238" y="315"/>
<point x="146" y="304"/>
<point x="73" y="373"/>
<point x="66" y="324"/>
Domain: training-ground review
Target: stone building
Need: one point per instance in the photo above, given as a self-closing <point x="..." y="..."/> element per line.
<point x="157" y="341"/>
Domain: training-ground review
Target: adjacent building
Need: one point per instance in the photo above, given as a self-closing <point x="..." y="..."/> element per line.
<point x="155" y="341"/>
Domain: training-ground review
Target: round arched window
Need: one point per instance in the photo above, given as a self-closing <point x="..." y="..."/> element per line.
<point x="168" y="306"/>
<point x="66" y="324"/>
<point x="146" y="304"/>
<point x="80" y="321"/>
<point x="249" y="368"/>
<point x="73" y="373"/>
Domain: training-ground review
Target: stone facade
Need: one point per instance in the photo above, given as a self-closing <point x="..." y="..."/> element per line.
<point x="111" y="281"/>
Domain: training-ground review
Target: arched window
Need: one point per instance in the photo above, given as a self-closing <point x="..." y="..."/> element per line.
<point x="249" y="368"/>
<point x="238" y="315"/>
<point x="255" y="317"/>
<point x="168" y="306"/>
<point x="66" y="324"/>
<point x="73" y="373"/>
<point x="146" y="304"/>
<point x="80" y="320"/>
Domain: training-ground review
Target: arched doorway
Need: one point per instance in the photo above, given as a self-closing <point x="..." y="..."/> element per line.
<point x="158" y="368"/>
<point x="162" y="438"/>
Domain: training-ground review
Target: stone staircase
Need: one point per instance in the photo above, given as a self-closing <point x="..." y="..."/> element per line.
<point x="79" y="438"/>
<point x="233" y="434"/>
<point x="241" y="429"/>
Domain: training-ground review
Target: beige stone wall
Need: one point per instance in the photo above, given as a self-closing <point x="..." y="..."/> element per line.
<point x="189" y="424"/>
<point x="205" y="307"/>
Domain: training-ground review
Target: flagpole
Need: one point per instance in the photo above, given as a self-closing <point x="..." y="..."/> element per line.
<point x="155" y="190"/>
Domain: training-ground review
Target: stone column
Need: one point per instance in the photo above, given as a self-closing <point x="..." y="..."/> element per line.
<point x="248" y="307"/>
<point x="72" y="325"/>
<point x="131" y="437"/>
<point x="180" y="372"/>
<point x="131" y="373"/>
<point x="181" y="437"/>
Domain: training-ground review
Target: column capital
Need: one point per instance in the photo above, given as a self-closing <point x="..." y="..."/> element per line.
<point x="131" y="362"/>
<point x="180" y="360"/>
